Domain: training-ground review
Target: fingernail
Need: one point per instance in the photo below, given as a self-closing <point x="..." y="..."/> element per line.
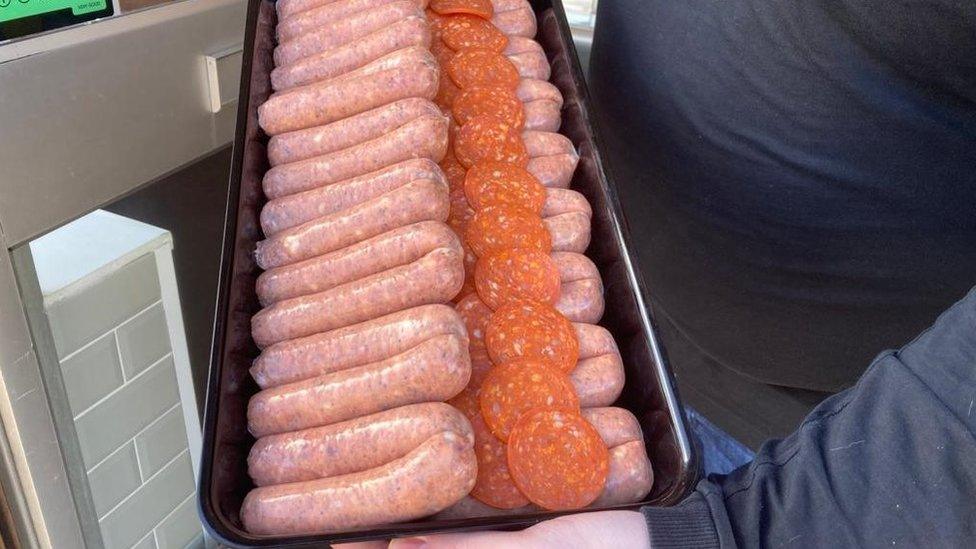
<point x="408" y="543"/>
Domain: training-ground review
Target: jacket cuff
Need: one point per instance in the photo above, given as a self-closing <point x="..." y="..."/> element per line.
<point x="688" y="525"/>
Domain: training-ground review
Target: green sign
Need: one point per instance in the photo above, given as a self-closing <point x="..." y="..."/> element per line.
<point x="18" y="9"/>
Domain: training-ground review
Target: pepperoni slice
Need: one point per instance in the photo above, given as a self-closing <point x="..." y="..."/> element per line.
<point x="455" y="172"/>
<point x="500" y="183"/>
<point x="475" y="315"/>
<point x="498" y="227"/>
<point x="437" y="23"/>
<point x="557" y="459"/>
<point x="462" y="32"/>
<point x="493" y="485"/>
<point x="481" y="8"/>
<point x="487" y="138"/>
<point x="514" y="388"/>
<point x="481" y="67"/>
<point x="526" y="329"/>
<point x="460" y="214"/>
<point x="515" y="274"/>
<point x="499" y="102"/>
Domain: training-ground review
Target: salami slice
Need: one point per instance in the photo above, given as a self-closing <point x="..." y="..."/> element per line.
<point x="557" y="459"/>
<point x="487" y="138"/>
<point x="463" y="31"/>
<point x="500" y="183"/>
<point x="516" y="274"/>
<point x="498" y="102"/>
<point x="530" y="330"/>
<point x="499" y="227"/>
<point x="481" y="67"/>
<point x="475" y="315"/>
<point x="481" y="8"/>
<point x="514" y="388"/>
<point x="494" y="484"/>
<point x="442" y="52"/>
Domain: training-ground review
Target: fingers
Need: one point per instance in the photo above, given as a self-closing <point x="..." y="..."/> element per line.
<point x="587" y="530"/>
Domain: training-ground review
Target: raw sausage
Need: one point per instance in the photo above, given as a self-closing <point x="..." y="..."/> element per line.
<point x="333" y="63"/>
<point x="313" y="19"/>
<point x="434" y="278"/>
<point x="325" y="102"/>
<point x="293" y="210"/>
<point x="351" y="446"/>
<point x="581" y="288"/>
<point x="420" y="200"/>
<point x="287" y="8"/>
<point x="342" y="31"/>
<point x="430" y="478"/>
<point x="434" y="370"/>
<point x="507" y="5"/>
<point x="599" y="380"/>
<point x="554" y="171"/>
<point x="534" y="90"/>
<point x="424" y="137"/>
<point x="520" y="44"/>
<point x="594" y="340"/>
<point x="304" y="144"/>
<point x="616" y="425"/>
<point x="542" y="115"/>
<point x="570" y="231"/>
<point x="561" y="201"/>
<point x="547" y="143"/>
<point x="390" y="249"/>
<point x="517" y="22"/>
<point x="356" y="345"/>
<point x="631" y="476"/>
<point x="531" y="64"/>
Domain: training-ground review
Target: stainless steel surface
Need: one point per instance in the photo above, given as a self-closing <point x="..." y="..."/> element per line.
<point x="93" y="112"/>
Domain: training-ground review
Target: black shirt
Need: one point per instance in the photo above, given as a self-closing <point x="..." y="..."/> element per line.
<point x="800" y="177"/>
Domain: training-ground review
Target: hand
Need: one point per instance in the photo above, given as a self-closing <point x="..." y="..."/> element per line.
<point x="617" y="529"/>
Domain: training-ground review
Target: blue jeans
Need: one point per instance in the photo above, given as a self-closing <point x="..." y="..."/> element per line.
<point x="721" y="453"/>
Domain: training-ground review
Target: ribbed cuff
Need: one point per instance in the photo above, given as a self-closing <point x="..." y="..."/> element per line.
<point x="688" y="525"/>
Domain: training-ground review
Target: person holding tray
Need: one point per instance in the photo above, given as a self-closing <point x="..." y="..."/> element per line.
<point x="799" y="178"/>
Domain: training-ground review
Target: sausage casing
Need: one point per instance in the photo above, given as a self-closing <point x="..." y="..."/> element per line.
<point x="424" y="137"/>
<point x="420" y="200"/>
<point x="434" y="370"/>
<point x="434" y="278"/>
<point x="315" y="17"/>
<point x="531" y="64"/>
<point x="295" y="209"/>
<point x="581" y="288"/>
<point x="570" y="231"/>
<point x="561" y="201"/>
<point x="540" y="143"/>
<point x="542" y="115"/>
<point x="517" y="22"/>
<point x="433" y="476"/>
<point x="391" y="249"/>
<point x="325" y="102"/>
<point x="339" y="32"/>
<point x="598" y="380"/>
<point x="351" y="446"/>
<point x="530" y="90"/>
<point x="332" y="63"/>
<point x="630" y="478"/>
<point x="355" y="345"/>
<point x="554" y="171"/>
<point x="616" y="425"/>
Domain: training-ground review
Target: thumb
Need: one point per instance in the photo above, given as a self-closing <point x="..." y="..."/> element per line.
<point x="617" y="529"/>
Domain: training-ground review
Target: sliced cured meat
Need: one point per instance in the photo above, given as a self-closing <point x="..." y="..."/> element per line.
<point x="498" y="102"/>
<point x="557" y="459"/>
<point x="500" y="183"/>
<point x="499" y="227"/>
<point x="531" y="330"/>
<point x="513" y="389"/>
<point x="482" y="67"/>
<point x="516" y="274"/>
<point x="488" y="138"/>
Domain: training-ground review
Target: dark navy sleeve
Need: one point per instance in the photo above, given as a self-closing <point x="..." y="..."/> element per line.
<point x="890" y="462"/>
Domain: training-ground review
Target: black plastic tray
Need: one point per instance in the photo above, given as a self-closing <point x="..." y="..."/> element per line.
<point x="649" y="391"/>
